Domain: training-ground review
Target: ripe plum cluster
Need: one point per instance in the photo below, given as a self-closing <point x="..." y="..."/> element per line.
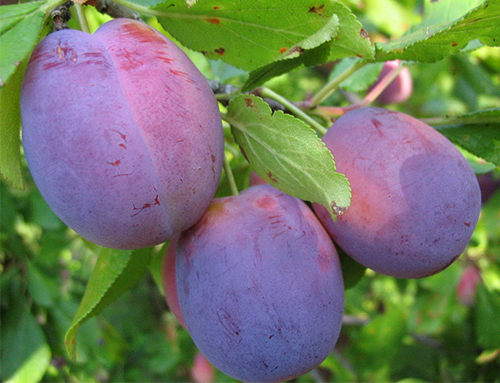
<point x="123" y="137"/>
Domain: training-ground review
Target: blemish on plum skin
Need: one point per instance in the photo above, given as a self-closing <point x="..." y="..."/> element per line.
<point x="376" y="123"/>
<point x="147" y="205"/>
<point x="183" y="75"/>
<point x="142" y="33"/>
<point x="116" y="163"/>
<point x="122" y="175"/>
<point x="467" y="224"/>
<point x="123" y="136"/>
<point x="265" y="202"/>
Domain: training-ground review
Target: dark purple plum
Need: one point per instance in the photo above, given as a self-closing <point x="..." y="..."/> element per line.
<point x="121" y="132"/>
<point x="260" y="286"/>
<point x="400" y="89"/>
<point x="415" y="199"/>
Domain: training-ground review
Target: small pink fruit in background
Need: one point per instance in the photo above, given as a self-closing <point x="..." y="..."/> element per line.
<point x="399" y="90"/>
<point x="466" y="288"/>
<point x="202" y="371"/>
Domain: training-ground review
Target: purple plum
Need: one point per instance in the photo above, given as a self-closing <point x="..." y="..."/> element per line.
<point x="260" y="286"/>
<point x="415" y="199"/>
<point x="400" y="89"/>
<point x="121" y="132"/>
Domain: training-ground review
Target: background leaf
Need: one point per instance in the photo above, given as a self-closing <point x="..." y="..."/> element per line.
<point x="488" y="307"/>
<point x="434" y="42"/>
<point x="443" y="11"/>
<point x="20" y="28"/>
<point x="287" y="153"/>
<point x="217" y="29"/>
<point x="478" y="133"/>
<point x="10" y="123"/>
<point x="350" y="40"/>
<point x="115" y="272"/>
<point x="25" y="352"/>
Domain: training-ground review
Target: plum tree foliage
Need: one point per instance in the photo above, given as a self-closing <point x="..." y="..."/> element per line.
<point x="327" y="223"/>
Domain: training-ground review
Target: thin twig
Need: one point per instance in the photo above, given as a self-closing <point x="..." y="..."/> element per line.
<point x="266" y="92"/>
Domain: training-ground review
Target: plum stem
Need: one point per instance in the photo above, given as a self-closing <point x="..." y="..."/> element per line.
<point x="384" y="83"/>
<point x="230" y="176"/>
<point x="266" y="92"/>
<point x="82" y="19"/>
<point x="330" y="87"/>
<point x="336" y="111"/>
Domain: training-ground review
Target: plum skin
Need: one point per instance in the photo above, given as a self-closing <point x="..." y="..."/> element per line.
<point x="260" y="286"/>
<point x="415" y="199"/>
<point x="121" y="132"/>
<point x="169" y="280"/>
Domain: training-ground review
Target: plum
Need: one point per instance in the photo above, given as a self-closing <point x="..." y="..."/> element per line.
<point x="260" y="286"/>
<point x="415" y="199"/>
<point x="170" y="282"/>
<point x="202" y="371"/>
<point x="400" y="89"/>
<point x="121" y="132"/>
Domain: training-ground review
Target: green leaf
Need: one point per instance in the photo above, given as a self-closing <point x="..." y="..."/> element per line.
<point x="380" y="340"/>
<point x="21" y="26"/>
<point x="349" y="40"/>
<point x="352" y="271"/>
<point x="443" y="11"/>
<point x="308" y="58"/>
<point x="352" y="39"/>
<point x="487" y="314"/>
<point x="10" y="122"/>
<point x="267" y="30"/>
<point x="287" y="153"/>
<point x="434" y="42"/>
<point x="390" y="17"/>
<point x="115" y="272"/>
<point x="478" y="133"/>
<point x="25" y="353"/>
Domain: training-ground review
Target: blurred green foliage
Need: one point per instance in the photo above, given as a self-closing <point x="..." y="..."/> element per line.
<point x="395" y="330"/>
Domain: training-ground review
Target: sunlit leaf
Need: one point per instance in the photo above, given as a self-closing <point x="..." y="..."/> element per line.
<point x="434" y="42"/>
<point x="246" y="33"/>
<point x="287" y="153"/>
